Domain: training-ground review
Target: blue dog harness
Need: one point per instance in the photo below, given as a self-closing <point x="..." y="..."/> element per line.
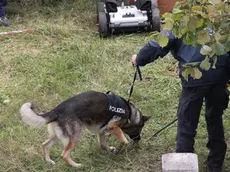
<point x="116" y="105"/>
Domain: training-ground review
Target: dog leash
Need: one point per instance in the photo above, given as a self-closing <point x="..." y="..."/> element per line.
<point x="164" y="127"/>
<point x="138" y="71"/>
<point x="154" y="135"/>
<point x="228" y="92"/>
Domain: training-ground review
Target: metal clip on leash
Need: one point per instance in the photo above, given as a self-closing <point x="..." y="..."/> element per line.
<point x="134" y="79"/>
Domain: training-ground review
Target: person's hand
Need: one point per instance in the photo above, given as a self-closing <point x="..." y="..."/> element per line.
<point x="134" y="63"/>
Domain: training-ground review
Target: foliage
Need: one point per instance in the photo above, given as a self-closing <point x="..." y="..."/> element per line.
<point x="204" y="23"/>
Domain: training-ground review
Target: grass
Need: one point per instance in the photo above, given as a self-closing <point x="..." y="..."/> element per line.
<point x="64" y="56"/>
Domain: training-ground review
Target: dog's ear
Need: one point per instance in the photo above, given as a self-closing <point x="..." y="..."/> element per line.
<point x="145" y="118"/>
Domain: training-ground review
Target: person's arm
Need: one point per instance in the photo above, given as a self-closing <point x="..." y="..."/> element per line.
<point x="152" y="50"/>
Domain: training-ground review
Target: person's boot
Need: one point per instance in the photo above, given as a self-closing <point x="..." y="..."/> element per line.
<point x="4" y="21"/>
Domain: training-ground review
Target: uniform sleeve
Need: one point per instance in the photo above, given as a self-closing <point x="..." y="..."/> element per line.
<point x="152" y="50"/>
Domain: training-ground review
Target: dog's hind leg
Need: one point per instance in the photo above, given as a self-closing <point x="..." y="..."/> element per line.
<point x="46" y="148"/>
<point x="48" y="143"/>
<point x="66" y="155"/>
<point x="69" y="141"/>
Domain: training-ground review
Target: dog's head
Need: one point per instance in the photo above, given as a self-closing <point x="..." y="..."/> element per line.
<point x="135" y="123"/>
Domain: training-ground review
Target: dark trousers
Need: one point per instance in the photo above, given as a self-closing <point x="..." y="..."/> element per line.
<point x="2" y="7"/>
<point x="190" y="104"/>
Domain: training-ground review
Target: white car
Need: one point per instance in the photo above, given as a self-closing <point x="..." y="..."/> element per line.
<point x="117" y="15"/>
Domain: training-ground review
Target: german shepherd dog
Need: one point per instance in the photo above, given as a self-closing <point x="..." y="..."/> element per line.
<point x="87" y="109"/>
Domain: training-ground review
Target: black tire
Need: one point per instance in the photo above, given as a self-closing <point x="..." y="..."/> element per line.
<point x="156" y="19"/>
<point x="100" y="8"/>
<point x="103" y="24"/>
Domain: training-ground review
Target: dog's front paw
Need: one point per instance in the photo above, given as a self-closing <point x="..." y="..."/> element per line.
<point x="113" y="150"/>
<point x="51" y="161"/>
<point x="77" y="165"/>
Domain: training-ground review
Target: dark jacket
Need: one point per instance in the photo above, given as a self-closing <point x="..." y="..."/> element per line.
<point x="186" y="54"/>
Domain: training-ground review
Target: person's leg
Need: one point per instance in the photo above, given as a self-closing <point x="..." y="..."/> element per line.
<point x="216" y="102"/>
<point x="3" y="20"/>
<point x="2" y="8"/>
<point x="190" y="104"/>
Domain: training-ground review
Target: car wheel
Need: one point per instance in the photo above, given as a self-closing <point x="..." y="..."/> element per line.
<point x="103" y="24"/>
<point x="100" y="8"/>
<point x="156" y="19"/>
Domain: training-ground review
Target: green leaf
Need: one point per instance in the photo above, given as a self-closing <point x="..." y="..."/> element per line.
<point x="184" y="30"/>
<point x="195" y="73"/>
<point x="167" y="15"/>
<point x="154" y="35"/>
<point x="214" y="1"/>
<point x="168" y="24"/>
<point x="192" y="25"/>
<point x="206" y="50"/>
<point x="186" y="72"/>
<point x="205" y="64"/>
<point x="184" y="21"/>
<point x="214" y="58"/>
<point x="162" y="40"/>
<point x="199" y="23"/>
<point x="176" y="32"/>
<point x="196" y="8"/>
<point x="190" y="1"/>
<point x="203" y="37"/>
<point x="189" y="38"/>
<point x="177" y="17"/>
<point x="177" y="11"/>
<point x="217" y="36"/>
<point x="168" y="20"/>
<point x="192" y="64"/>
<point x="219" y="49"/>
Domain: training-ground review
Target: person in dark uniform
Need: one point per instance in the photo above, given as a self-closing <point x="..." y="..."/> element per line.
<point x="3" y="20"/>
<point x="211" y="87"/>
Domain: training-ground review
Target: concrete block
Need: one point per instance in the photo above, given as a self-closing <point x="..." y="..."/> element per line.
<point x="180" y="162"/>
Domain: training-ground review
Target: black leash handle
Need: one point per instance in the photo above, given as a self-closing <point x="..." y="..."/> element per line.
<point x="134" y="79"/>
<point x="139" y="72"/>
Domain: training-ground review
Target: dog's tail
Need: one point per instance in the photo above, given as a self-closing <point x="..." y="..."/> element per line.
<point x="29" y="117"/>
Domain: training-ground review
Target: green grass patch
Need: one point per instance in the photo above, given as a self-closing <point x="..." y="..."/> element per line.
<point x="63" y="56"/>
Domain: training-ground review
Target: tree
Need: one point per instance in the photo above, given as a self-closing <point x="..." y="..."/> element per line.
<point x="203" y="23"/>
